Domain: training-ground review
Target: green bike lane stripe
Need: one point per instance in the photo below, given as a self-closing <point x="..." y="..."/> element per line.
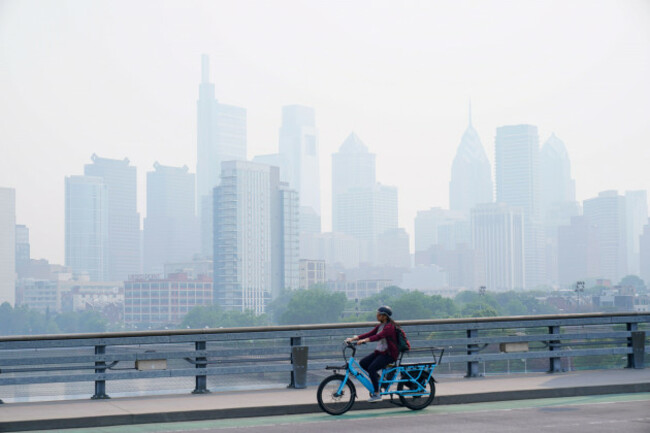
<point x="352" y="415"/>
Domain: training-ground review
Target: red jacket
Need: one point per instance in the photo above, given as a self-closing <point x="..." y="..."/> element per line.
<point x="389" y="333"/>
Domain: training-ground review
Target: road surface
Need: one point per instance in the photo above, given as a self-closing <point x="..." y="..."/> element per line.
<point x="629" y="413"/>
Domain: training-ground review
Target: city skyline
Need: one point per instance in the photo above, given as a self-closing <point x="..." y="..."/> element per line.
<point x="411" y="115"/>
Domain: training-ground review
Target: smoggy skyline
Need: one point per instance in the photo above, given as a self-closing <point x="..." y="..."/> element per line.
<point x="120" y="79"/>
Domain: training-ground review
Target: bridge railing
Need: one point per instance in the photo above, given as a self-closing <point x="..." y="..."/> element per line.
<point x="104" y="357"/>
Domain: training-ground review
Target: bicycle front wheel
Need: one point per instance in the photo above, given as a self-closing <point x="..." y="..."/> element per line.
<point x="417" y="402"/>
<point x="330" y="400"/>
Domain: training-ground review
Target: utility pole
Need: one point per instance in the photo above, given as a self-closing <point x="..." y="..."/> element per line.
<point x="580" y="288"/>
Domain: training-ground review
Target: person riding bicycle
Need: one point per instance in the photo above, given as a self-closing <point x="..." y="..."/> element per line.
<point x="386" y="351"/>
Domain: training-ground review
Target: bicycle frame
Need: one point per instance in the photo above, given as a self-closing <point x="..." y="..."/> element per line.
<point x="408" y="374"/>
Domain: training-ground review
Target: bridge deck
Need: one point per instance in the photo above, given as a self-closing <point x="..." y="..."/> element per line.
<point x="120" y="411"/>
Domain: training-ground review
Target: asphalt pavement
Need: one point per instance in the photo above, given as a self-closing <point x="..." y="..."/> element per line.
<point x="629" y="413"/>
<point x="227" y="406"/>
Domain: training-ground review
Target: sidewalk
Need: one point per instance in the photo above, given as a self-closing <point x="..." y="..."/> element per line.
<point x="141" y="410"/>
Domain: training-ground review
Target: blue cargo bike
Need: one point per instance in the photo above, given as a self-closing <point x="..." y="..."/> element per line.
<point x="412" y="383"/>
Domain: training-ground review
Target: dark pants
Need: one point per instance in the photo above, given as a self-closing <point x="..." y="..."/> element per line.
<point x="373" y="363"/>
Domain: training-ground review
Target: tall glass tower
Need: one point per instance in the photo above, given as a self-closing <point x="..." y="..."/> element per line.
<point x="221" y="136"/>
<point x="299" y="148"/>
<point x="171" y="229"/>
<point x="87" y="226"/>
<point x="518" y="185"/>
<point x="471" y="173"/>
<point x="120" y="179"/>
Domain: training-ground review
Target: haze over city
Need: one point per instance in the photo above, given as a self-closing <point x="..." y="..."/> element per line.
<point x="120" y="79"/>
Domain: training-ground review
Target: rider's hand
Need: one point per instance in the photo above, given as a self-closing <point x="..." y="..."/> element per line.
<point x="360" y="342"/>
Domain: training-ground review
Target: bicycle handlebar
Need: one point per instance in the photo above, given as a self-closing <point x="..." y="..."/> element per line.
<point x="350" y="345"/>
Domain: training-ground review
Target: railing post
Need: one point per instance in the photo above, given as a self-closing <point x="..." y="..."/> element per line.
<point x="100" y="367"/>
<point x="201" y="384"/>
<point x="472" y="366"/>
<point x="555" y="365"/>
<point x="294" y="342"/>
<point x="631" y="327"/>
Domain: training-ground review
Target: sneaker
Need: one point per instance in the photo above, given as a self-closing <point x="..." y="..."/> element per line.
<point x="374" y="398"/>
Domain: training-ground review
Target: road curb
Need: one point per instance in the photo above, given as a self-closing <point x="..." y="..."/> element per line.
<point x="245" y="412"/>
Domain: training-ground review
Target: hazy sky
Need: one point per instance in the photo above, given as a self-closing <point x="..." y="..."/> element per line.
<point x="120" y="79"/>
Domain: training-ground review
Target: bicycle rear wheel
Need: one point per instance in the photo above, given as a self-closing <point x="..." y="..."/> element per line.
<point x="417" y="402"/>
<point x="332" y="402"/>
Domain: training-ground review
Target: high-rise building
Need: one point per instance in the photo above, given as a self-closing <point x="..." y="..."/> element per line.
<point x="7" y="245"/>
<point x="578" y="251"/>
<point x="87" y="227"/>
<point x="299" y="148"/>
<point x="607" y="214"/>
<point x="366" y="213"/>
<point x="254" y="226"/>
<point x="171" y="229"/>
<point x="393" y="249"/>
<point x="644" y="255"/>
<point x="636" y="211"/>
<point x="558" y="202"/>
<point x="518" y="185"/>
<point x="428" y="224"/>
<point x="556" y="183"/>
<point x="335" y="249"/>
<point x="23" y="253"/>
<point x="120" y="178"/>
<point x="288" y="246"/>
<point x="498" y="236"/>
<point x="352" y="167"/>
<point x="471" y="173"/>
<point x="361" y="207"/>
<point x="221" y="136"/>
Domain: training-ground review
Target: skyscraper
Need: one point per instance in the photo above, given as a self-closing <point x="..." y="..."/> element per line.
<point x="578" y="251"/>
<point x="498" y="237"/>
<point x="254" y="236"/>
<point x="428" y="224"/>
<point x="299" y="148"/>
<point x="636" y="211"/>
<point x="556" y="183"/>
<point x="607" y="214"/>
<point x="221" y="136"/>
<point x="518" y="185"/>
<point x="352" y="167"/>
<point x="7" y="245"/>
<point x="558" y="202"/>
<point x="471" y="173"/>
<point x="23" y="250"/>
<point x="361" y="207"/>
<point x="366" y="213"/>
<point x="123" y="218"/>
<point x="171" y="229"/>
<point x="87" y="226"/>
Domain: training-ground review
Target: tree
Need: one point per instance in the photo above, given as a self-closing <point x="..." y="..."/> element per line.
<point x="215" y="317"/>
<point x="478" y="309"/>
<point x="313" y="306"/>
<point x="632" y="281"/>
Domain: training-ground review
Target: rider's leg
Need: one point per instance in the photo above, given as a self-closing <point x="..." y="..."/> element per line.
<point x="380" y="361"/>
<point x="366" y="361"/>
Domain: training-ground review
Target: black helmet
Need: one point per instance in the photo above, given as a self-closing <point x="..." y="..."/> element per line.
<point x="385" y="310"/>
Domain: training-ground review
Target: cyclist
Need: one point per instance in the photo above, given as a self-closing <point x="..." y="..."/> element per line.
<point x="386" y="351"/>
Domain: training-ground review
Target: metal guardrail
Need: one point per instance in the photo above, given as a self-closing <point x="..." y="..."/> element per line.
<point x="105" y="357"/>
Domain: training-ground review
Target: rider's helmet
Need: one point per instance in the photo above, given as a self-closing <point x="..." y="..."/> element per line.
<point x="385" y="310"/>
